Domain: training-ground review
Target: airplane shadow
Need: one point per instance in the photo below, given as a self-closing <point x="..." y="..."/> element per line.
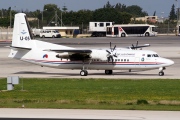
<point x="47" y="73"/>
<point x="94" y="74"/>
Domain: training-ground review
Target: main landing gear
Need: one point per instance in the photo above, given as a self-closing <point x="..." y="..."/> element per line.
<point x="83" y="72"/>
<point x="108" y="72"/>
<point x="161" y="73"/>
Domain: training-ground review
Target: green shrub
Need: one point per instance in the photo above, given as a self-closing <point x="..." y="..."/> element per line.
<point x="140" y="102"/>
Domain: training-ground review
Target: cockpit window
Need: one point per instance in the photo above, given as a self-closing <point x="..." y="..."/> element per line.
<point x="152" y="55"/>
<point x="155" y="55"/>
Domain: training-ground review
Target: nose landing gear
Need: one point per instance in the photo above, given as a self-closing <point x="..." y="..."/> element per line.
<point x="161" y="73"/>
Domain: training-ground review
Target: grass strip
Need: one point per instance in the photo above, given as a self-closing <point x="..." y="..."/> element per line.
<point x="117" y="94"/>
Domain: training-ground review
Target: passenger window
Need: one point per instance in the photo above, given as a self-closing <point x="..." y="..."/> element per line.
<point x="121" y="60"/>
<point x="127" y="60"/>
<point x="124" y="60"/>
<point x="148" y="55"/>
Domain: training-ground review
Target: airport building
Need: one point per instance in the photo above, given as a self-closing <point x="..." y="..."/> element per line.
<point x="152" y="19"/>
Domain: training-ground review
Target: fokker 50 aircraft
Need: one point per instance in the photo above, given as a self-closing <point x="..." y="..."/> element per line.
<point x="25" y="48"/>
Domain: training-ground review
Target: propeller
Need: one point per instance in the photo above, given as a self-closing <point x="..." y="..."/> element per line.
<point x="135" y="48"/>
<point x="111" y="54"/>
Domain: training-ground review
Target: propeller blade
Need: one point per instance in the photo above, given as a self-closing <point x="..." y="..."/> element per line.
<point x="114" y="47"/>
<point x="110" y="47"/>
<point x="137" y="44"/>
<point x="112" y="59"/>
<point x="132" y="46"/>
<point x="108" y="51"/>
<point x="108" y="59"/>
<point x="115" y="55"/>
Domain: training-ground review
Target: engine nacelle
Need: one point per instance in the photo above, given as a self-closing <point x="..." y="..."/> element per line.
<point x="62" y="55"/>
<point x="99" y="54"/>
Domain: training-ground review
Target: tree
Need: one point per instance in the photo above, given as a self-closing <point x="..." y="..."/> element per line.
<point x="77" y="18"/>
<point x="111" y="15"/>
<point x="64" y="8"/>
<point x="172" y="14"/>
<point x="49" y="14"/>
<point x="136" y="11"/>
<point x="120" y="8"/>
<point x="108" y="5"/>
<point x="4" y="22"/>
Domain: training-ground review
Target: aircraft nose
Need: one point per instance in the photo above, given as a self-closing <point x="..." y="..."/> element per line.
<point x="169" y="62"/>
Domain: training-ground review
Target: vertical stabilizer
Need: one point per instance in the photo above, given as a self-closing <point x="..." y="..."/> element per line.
<point x="21" y="32"/>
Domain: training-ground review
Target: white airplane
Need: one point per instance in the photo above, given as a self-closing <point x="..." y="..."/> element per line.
<point x="25" y="48"/>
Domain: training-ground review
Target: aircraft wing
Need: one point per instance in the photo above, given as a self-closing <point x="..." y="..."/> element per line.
<point x="141" y="46"/>
<point x="70" y="50"/>
<point x="146" y="45"/>
<point x="73" y="54"/>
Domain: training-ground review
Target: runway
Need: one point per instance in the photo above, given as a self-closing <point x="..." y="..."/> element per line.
<point x="79" y="114"/>
<point x="166" y="46"/>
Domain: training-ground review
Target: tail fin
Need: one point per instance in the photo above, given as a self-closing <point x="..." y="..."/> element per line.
<point x="21" y="33"/>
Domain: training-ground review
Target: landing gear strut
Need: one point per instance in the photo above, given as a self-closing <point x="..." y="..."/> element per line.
<point x="108" y="72"/>
<point x="84" y="71"/>
<point x="161" y="73"/>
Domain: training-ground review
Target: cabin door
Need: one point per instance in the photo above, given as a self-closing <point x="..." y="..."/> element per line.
<point x="137" y="62"/>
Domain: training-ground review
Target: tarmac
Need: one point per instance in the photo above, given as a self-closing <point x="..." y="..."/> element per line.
<point x="79" y="114"/>
<point x="168" y="47"/>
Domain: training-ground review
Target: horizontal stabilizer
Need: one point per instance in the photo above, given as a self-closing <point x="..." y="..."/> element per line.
<point x="23" y="48"/>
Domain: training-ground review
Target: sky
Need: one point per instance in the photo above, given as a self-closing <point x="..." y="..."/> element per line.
<point x="162" y="7"/>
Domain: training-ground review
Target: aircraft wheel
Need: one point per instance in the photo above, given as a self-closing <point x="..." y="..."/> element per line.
<point x="161" y="73"/>
<point x="83" y="73"/>
<point x="108" y="72"/>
